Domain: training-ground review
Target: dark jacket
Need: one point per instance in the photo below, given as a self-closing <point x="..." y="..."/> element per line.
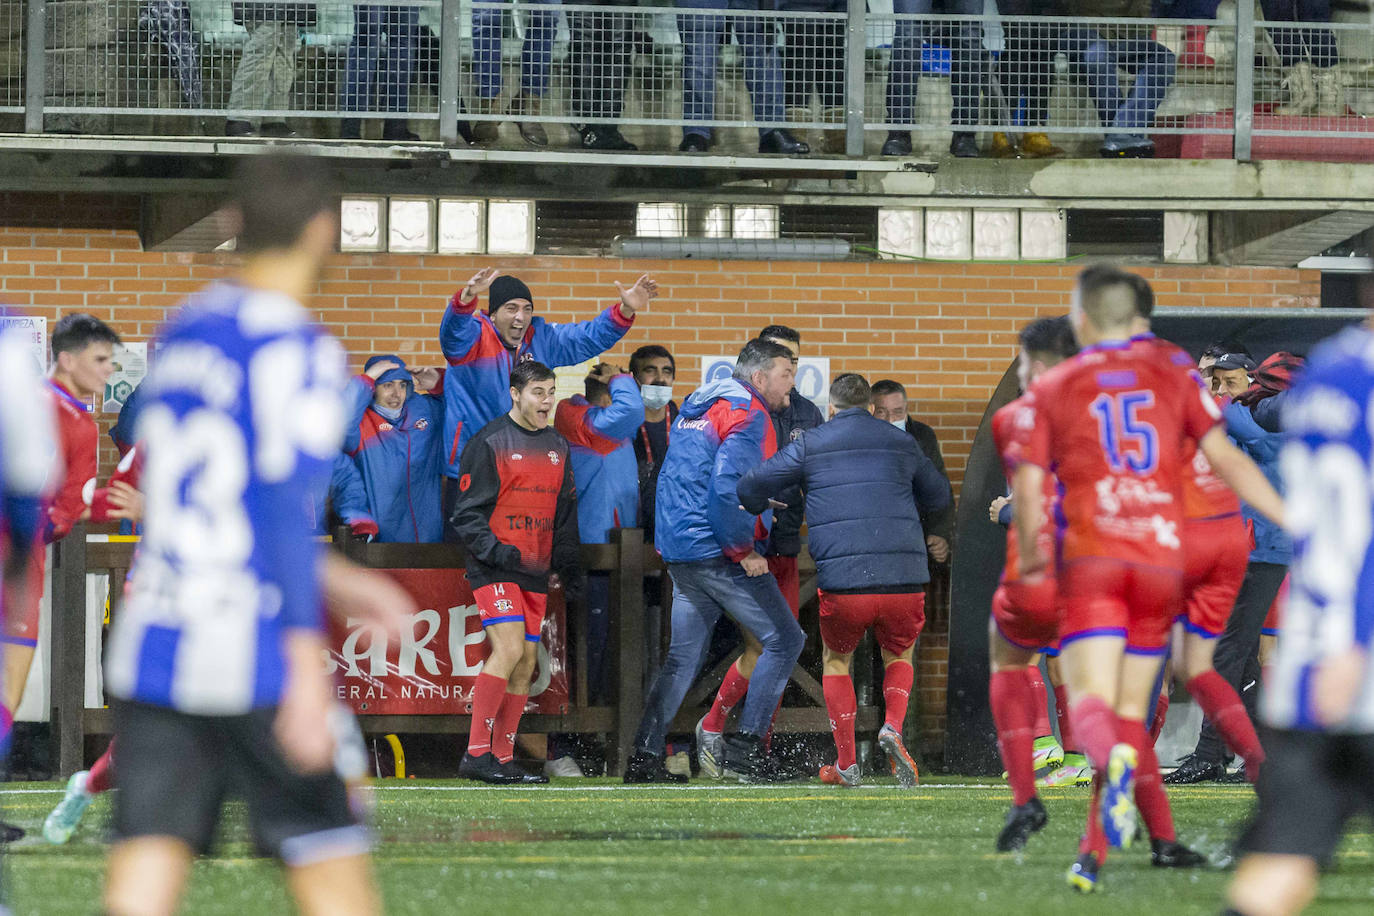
<point x="797" y="417"/>
<point x="866" y="485"/>
<point x="299" y="14"/>
<point x="939" y="522"/>
<point x="650" y="462"/>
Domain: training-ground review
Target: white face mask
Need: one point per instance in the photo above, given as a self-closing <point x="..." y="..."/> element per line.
<point x="900" y="424"/>
<point x="656" y="396"/>
<point x="391" y="413"/>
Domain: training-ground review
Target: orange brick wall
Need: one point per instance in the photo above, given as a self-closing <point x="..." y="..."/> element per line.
<point x="945" y="330"/>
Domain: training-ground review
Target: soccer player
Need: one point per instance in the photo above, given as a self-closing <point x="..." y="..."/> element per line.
<point x="215" y="663"/>
<point x="866" y="486"/>
<point x="1318" y="703"/>
<point x="1114" y="424"/>
<point x="516" y="514"/>
<point x="1024" y="620"/>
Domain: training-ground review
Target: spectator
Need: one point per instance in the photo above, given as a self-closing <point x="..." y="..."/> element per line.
<point x="813" y="57"/>
<point x="393" y="435"/>
<point x="904" y="73"/>
<point x="860" y="478"/>
<point x="381" y="56"/>
<point x="702" y="36"/>
<point x="1309" y="58"/>
<point x="1025" y="71"/>
<point x="889" y="403"/>
<point x="1097" y="54"/>
<point x="347" y="501"/>
<point x="536" y="59"/>
<point x="482" y="349"/>
<point x="599" y="50"/>
<point x="711" y="546"/>
<point x="1231" y="373"/>
<point x="267" y="69"/>
<point x="122" y="432"/>
<point x="654" y="369"/>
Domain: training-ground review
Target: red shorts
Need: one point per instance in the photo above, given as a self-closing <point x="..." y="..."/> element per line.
<point x="503" y="602"/>
<point x="784" y="570"/>
<point x="1271" y="620"/>
<point x="896" y="620"/>
<point x="1215" y="555"/>
<point x="1025" y="613"/>
<point x="21" y="623"/>
<point x="1100" y="596"/>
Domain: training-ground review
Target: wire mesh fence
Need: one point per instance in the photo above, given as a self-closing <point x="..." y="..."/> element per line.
<point x="12" y="28"/>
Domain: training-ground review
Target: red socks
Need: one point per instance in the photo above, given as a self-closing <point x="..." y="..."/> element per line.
<point x="1161" y="712"/>
<point x="1223" y="707"/>
<point x="507" y="724"/>
<point x="732" y="690"/>
<point x="1093" y="838"/>
<point x="841" y="705"/>
<point x="1013" y="711"/>
<point x="1095" y="728"/>
<point x="897" y="680"/>
<point x="1061" y="714"/>
<point x="1042" y="703"/>
<point x="101" y="777"/>
<point x="1149" y="789"/>
<point x="488" y="694"/>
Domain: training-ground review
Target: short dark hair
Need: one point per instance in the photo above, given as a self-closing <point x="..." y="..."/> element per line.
<point x="277" y="195"/>
<point x="78" y="331"/>
<point x="528" y="372"/>
<point x="850" y="390"/>
<point x="781" y="332"/>
<point x="1112" y="297"/>
<point x="885" y="386"/>
<point x="1052" y="336"/>
<point x="647" y="352"/>
<point x="756" y="356"/>
<point x="594" y="388"/>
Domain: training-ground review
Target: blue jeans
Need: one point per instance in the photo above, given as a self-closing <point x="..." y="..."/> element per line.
<point x="701" y="593"/>
<point x="966" y="61"/>
<point x="536" y="56"/>
<point x="378" y="30"/>
<point x="1098" y="58"/>
<point x="1295" y="44"/>
<point x="701" y="40"/>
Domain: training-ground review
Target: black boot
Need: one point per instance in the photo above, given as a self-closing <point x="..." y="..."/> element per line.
<point x="1171" y="854"/>
<point x="747" y="761"/>
<point x="644" y="768"/>
<point x="238" y="128"/>
<point x="396" y="131"/>
<point x="486" y="768"/>
<point x="1022" y="821"/>
<point x="694" y="143"/>
<point x="898" y="143"/>
<point x="1194" y="769"/>
<point x="604" y="137"/>
<point x="519" y="776"/>
<point x="780" y="141"/>
<point x="964" y="145"/>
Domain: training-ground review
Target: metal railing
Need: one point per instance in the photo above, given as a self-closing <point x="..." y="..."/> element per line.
<point x="845" y="80"/>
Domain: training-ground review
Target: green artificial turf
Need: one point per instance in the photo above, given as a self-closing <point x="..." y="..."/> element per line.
<point x="596" y="847"/>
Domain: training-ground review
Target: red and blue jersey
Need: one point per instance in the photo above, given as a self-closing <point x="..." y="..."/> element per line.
<point x="78" y="441"/>
<point x="601" y="440"/>
<point x="1011" y="427"/>
<point x="478" y="387"/>
<point x="722" y="431"/>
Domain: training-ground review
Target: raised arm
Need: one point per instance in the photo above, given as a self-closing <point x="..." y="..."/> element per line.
<point x="777" y="475"/>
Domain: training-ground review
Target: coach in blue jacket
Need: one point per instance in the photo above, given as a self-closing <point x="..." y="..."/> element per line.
<point x="867" y="484"/>
<point x="393" y="437"/>
<point x="711" y="546"/>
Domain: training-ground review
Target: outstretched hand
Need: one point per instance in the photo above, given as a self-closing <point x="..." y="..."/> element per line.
<point x="424" y="379"/>
<point x="480" y="283"/>
<point x="637" y="296"/>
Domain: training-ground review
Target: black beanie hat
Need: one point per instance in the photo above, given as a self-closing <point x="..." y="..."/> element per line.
<point x="504" y="289"/>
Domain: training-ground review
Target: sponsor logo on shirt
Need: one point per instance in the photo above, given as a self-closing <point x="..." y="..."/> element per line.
<point x="553" y="457"/>
<point x="504" y="606"/>
<point x="422" y="424"/>
<point x="385" y="426"/>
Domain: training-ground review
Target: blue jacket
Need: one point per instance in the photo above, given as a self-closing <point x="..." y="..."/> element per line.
<point x="722" y="431"/>
<point x="784" y="538"/>
<point x="478" y="388"/>
<point x="401" y="462"/>
<point x="347" y="498"/>
<point x="867" y="484"/>
<point x="1271" y="543"/>
<point x="603" y="458"/>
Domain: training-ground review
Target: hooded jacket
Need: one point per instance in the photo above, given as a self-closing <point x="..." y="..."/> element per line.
<point x="722" y="431"/>
<point x="601" y="443"/>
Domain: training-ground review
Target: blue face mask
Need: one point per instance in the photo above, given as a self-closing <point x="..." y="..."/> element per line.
<point x="900" y="424"/>
<point x="656" y="396"/>
<point x="391" y="413"/>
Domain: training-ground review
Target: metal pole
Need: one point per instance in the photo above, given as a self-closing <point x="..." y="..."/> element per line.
<point x="855" y="43"/>
<point x="627" y="612"/>
<point x="1245" y="79"/>
<point x="68" y="642"/>
<point x="35" y="65"/>
<point x="449" y="50"/>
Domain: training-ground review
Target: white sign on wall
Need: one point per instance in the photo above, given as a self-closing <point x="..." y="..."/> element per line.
<point x="35" y="333"/>
<point x="130" y="368"/>
<point x="813" y="375"/>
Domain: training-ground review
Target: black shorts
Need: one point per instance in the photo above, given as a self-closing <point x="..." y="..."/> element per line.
<point x="177" y="769"/>
<point x="1311" y="783"/>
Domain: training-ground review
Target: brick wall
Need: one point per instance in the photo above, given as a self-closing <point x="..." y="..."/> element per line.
<point x="947" y="331"/>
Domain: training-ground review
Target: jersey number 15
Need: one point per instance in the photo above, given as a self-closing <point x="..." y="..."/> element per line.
<point x="1129" y="442"/>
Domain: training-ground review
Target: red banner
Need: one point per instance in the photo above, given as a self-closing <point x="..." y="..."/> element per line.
<point x="432" y="671"/>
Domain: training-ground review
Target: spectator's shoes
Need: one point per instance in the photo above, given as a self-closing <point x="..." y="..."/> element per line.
<point x="61" y="823"/>
<point x="10" y="833"/>
<point x="1083" y="874"/>
<point x="519" y="776"/>
<point x="1127" y="146"/>
<point x="351" y="129"/>
<point x="234" y="128"/>
<point x="1038" y="146"/>
<point x="904" y="768"/>
<point x="1022" y="821"/>
<point x="1001" y="147"/>
<point x="964" y="145"/>
<point x="648" y="768"/>
<point x="529" y="106"/>
<point x="278" y="129"/>
<point x="780" y="141"/>
<point x="1119" y="813"/>
<point x="747" y="761"/>
<point x="832" y="775"/>
<point x="605" y="137"/>
<point x="486" y="768"/>
<point x="694" y="143"/>
<point x="1169" y="854"/>
<point x="486" y="131"/>
<point x="563" y="768"/>
<point x="710" y="751"/>
<point x="1194" y="769"/>
<point x="898" y="143"/>
<point x="395" y="131"/>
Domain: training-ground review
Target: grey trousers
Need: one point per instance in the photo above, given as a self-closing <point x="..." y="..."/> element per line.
<point x="267" y="69"/>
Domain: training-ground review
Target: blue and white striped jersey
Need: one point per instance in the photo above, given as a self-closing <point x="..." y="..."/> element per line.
<point x="1327" y="463"/>
<point x="241" y="421"/>
<point x="29" y="460"/>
